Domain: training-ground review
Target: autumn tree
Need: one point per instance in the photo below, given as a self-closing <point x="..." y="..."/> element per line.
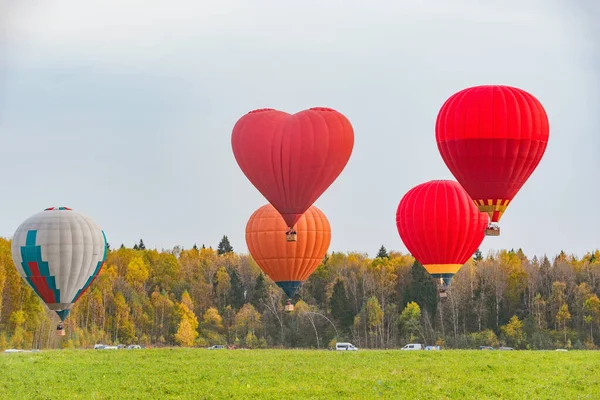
<point x="562" y="318"/>
<point x="411" y="320"/>
<point x="248" y="320"/>
<point x="137" y="273"/>
<point x="222" y="286"/>
<point x="188" y="323"/>
<point x="592" y="310"/>
<point x="371" y="317"/>
<point x="212" y="326"/>
<point x="513" y="331"/>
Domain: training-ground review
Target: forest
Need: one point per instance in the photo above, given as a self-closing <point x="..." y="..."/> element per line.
<point x="202" y="296"/>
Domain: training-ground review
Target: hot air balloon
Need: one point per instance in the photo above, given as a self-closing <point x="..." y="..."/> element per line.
<point x="492" y="138"/>
<point x="292" y="158"/>
<point x="288" y="264"/>
<point x="441" y="227"/>
<point x="59" y="252"/>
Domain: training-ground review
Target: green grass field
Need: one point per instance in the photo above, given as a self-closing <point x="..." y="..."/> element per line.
<point x="254" y="374"/>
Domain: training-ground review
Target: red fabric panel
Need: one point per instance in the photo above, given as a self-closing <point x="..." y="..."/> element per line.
<point x="439" y="223"/>
<point x="41" y="284"/>
<point x="492" y="138"/>
<point x="292" y="158"/>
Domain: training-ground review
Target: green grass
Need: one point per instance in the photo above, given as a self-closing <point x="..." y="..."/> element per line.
<point x="293" y="374"/>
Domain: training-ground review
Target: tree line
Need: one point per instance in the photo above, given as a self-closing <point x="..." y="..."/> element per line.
<point x="201" y="296"/>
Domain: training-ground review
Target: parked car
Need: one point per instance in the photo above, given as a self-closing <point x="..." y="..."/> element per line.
<point x="486" y="348"/>
<point x="413" y="346"/>
<point x="505" y="348"/>
<point x="99" y="346"/>
<point x="216" y="347"/>
<point x="345" y="347"/>
<point x="432" y="348"/>
<point x="134" y="347"/>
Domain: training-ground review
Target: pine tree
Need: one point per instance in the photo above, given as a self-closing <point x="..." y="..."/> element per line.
<point x="477" y="256"/>
<point x="382" y="253"/>
<point x="107" y="246"/>
<point x="135" y="247"/>
<point x="422" y="289"/>
<point x="141" y="246"/>
<point x="236" y="292"/>
<point x="224" y="246"/>
<point x="341" y="310"/>
<point x="259" y="294"/>
<point x="195" y="247"/>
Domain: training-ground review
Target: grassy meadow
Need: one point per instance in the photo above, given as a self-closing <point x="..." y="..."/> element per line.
<point x="252" y="374"/>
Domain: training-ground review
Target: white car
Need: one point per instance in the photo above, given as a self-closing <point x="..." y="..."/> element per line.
<point x="345" y="347"/>
<point x="413" y="346"/>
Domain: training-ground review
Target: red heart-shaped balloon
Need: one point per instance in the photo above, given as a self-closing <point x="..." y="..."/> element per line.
<point x="292" y="158"/>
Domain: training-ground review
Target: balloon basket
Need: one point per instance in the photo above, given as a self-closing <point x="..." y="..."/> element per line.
<point x="291" y="236"/>
<point x="492" y="232"/>
<point x="289" y="307"/>
<point x="60" y="332"/>
<point x="442" y="294"/>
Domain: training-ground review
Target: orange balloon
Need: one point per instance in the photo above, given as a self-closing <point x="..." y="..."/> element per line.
<point x="288" y="264"/>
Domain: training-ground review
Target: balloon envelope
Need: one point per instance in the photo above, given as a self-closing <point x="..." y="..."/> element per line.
<point x="288" y="264"/>
<point x="292" y="159"/>
<point x="440" y="226"/>
<point x="59" y="252"/>
<point x="492" y="138"/>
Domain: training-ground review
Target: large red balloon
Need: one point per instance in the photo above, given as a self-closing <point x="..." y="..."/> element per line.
<point x="292" y="158"/>
<point x="440" y="226"/>
<point x="492" y="138"/>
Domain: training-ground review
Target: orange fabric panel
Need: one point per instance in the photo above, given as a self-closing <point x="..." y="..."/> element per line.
<point x="282" y="260"/>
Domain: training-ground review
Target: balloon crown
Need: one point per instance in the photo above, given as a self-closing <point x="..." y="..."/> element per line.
<point x="321" y="109"/>
<point x="259" y="110"/>
<point x="57" y="208"/>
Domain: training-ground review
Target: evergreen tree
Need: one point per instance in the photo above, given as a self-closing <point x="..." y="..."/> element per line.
<point x="422" y="289"/>
<point x="341" y="310"/>
<point x="122" y="246"/>
<point x="236" y="292"/>
<point x="477" y="256"/>
<point x="259" y="295"/>
<point x="141" y="246"/>
<point x="135" y="247"/>
<point x="107" y="246"/>
<point x="224" y="246"/>
<point x="195" y="247"/>
<point x="203" y="246"/>
<point x="382" y="253"/>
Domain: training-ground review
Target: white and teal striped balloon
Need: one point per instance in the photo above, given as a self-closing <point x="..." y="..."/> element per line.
<point x="59" y="252"/>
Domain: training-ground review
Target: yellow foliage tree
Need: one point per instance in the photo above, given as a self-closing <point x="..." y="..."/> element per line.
<point x="187" y="331"/>
<point x="563" y="317"/>
<point x="513" y="331"/>
<point x="137" y="273"/>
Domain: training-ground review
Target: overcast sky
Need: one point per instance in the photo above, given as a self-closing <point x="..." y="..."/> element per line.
<point x="123" y="110"/>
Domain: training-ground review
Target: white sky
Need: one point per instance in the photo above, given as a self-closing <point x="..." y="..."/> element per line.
<point x="123" y="109"/>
